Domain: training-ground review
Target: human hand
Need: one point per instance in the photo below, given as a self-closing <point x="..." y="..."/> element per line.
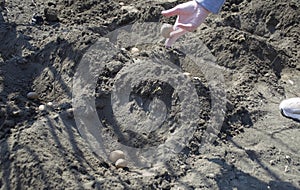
<point x="190" y="15"/>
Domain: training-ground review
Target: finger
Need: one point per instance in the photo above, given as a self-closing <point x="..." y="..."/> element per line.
<point x="182" y="9"/>
<point x="177" y="33"/>
<point x="171" y="12"/>
<point x="174" y="36"/>
<point x="189" y="27"/>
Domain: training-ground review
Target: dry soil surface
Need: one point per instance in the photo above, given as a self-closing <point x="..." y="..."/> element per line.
<point x="255" y="44"/>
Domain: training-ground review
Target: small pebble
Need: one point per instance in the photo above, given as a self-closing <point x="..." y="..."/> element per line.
<point x="121" y="4"/>
<point x="37" y="19"/>
<point x="50" y="104"/>
<point x="116" y="155"/>
<point x="70" y="112"/>
<point x="32" y="95"/>
<point x="42" y="107"/>
<point x="272" y="162"/>
<point x="187" y="74"/>
<point x="196" y="78"/>
<point x="55" y="116"/>
<point x="16" y="113"/>
<point x="241" y="38"/>
<point x="288" y="158"/>
<point x="165" y="30"/>
<point x="89" y="185"/>
<point x="286" y="169"/>
<point x="121" y="163"/>
<point x="291" y="82"/>
<point x="134" y="50"/>
<point x="211" y="176"/>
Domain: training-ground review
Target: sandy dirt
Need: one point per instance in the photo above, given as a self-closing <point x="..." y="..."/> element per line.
<point x="255" y="44"/>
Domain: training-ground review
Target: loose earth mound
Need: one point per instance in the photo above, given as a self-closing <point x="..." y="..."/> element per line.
<point x="254" y="44"/>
